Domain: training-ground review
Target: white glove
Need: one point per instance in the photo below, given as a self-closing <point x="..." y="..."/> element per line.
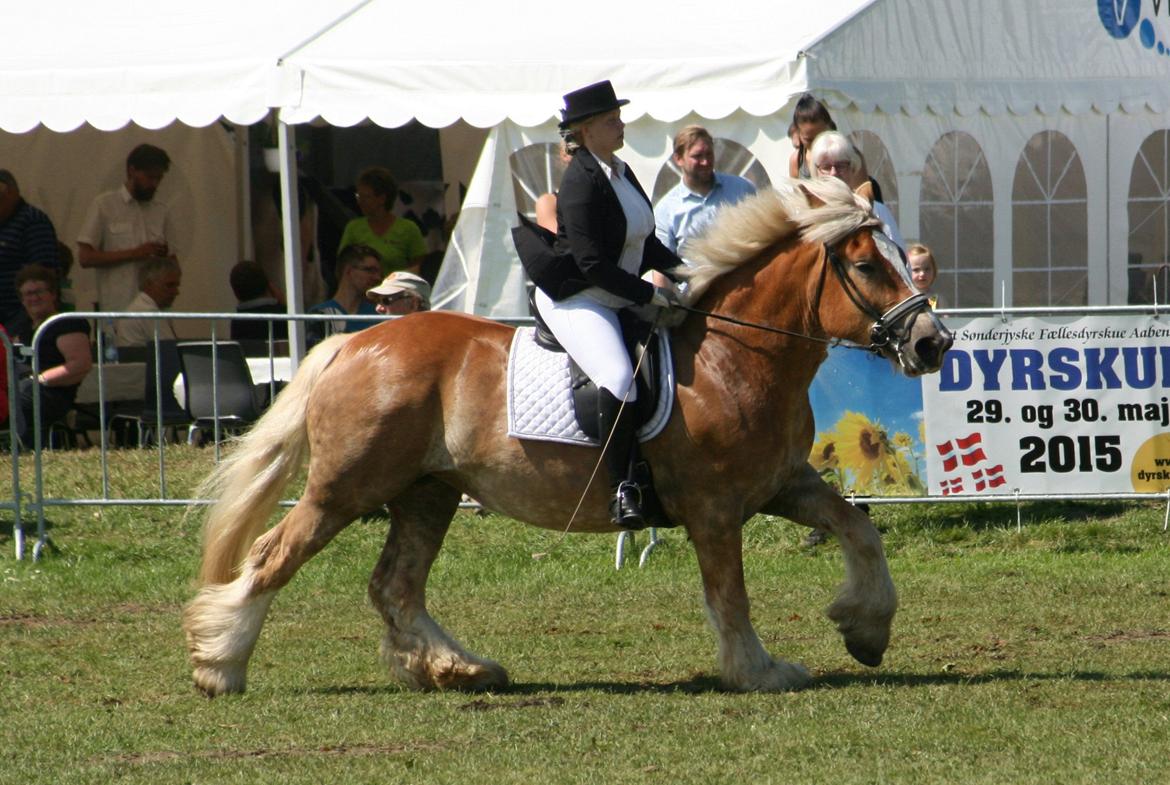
<point x="665" y="298"/>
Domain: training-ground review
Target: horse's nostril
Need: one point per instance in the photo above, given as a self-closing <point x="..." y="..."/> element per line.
<point x="930" y="349"/>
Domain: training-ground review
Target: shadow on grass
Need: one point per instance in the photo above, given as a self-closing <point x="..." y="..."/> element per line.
<point x="28" y="524"/>
<point x="705" y="684"/>
<point x="841" y="680"/>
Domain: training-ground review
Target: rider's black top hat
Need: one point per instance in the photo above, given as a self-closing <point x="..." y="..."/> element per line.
<point x="588" y="101"/>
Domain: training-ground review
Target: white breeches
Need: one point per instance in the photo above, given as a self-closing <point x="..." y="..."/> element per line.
<point x="591" y="334"/>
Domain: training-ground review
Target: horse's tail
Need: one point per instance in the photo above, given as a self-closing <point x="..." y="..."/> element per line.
<point x="248" y="483"/>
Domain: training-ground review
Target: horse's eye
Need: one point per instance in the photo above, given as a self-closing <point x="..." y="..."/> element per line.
<point x="864" y="267"/>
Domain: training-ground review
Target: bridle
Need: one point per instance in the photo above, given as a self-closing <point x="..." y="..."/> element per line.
<point x="890" y="329"/>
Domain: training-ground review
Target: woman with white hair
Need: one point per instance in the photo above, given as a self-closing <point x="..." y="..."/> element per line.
<point x="833" y="155"/>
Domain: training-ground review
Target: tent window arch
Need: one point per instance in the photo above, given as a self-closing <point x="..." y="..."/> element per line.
<point x="956" y="219"/>
<point x="536" y="169"/>
<point x="1149" y="220"/>
<point x="1050" y="216"/>
<point x="731" y="157"/>
<point x="879" y="165"/>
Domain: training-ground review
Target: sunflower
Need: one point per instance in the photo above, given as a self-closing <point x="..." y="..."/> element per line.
<point x="824" y="453"/>
<point x="862" y="446"/>
<point x="903" y="440"/>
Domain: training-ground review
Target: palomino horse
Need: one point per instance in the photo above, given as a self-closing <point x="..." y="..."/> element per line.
<point x="411" y="414"/>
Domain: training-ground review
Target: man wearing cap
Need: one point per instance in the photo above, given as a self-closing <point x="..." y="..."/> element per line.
<point x="401" y="293"/>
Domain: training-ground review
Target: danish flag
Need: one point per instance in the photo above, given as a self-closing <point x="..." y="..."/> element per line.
<point x="967" y="451"/>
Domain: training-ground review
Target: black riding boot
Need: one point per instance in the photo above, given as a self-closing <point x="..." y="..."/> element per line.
<point x="625" y="508"/>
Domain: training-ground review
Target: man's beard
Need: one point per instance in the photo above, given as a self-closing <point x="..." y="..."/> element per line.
<point x="143" y="194"/>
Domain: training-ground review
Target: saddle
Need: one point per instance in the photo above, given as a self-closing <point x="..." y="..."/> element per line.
<point x="641" y="341"/>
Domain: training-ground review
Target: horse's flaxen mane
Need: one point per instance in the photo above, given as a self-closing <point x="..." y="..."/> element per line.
<point x="742" y="231"/>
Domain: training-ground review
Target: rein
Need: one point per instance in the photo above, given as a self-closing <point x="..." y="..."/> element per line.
<point x="831" y="342"/>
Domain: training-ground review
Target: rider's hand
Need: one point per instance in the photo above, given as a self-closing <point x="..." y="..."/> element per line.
<point x="665" y="298"/>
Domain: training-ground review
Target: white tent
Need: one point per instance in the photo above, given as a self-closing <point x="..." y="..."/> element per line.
<point x="1016" y="138"/>
<point x="82" y="83"/>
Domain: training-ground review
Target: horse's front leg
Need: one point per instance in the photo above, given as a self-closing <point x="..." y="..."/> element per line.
<point x="866" y="602"/>
<point x="744" y="664"/>
<point x="417" y="650"/>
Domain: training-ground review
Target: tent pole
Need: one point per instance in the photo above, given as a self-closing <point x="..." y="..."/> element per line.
<point x="290" y="226"/>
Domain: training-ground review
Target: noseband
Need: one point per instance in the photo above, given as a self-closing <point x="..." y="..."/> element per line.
<point x="890" y="329"/>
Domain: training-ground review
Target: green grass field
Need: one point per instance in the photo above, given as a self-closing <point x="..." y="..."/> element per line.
<point x="1032" y="657"/>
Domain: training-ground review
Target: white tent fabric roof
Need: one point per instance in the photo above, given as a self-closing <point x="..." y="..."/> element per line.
<point x="110" y="62"/>
<point x="487" y="62"/>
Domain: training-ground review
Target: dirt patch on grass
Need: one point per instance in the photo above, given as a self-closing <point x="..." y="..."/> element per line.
<point x="338" y="750"/>
<point x="1129" y="636"/>
<point x="480" y="704"/>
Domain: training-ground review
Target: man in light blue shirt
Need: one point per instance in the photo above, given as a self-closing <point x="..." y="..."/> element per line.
<point x="688" y="207"/>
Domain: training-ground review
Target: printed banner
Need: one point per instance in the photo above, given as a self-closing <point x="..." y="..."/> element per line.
<point x="1051" y="405"/>
<point x="870" y="437"/>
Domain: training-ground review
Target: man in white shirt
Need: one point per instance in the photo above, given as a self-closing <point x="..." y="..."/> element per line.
<point x="159" y="281"/>
<point x="126" y="227"/>
<point x="688" y="207"/>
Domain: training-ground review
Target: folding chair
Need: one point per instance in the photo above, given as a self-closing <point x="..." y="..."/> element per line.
<point x="218" y="387"/>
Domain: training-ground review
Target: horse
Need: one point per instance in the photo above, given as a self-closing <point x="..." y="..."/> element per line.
<point x="410" y="414"/>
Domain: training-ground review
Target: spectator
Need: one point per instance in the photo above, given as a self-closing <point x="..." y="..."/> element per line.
<point x="833" y="155"/>
<point x="401" y="293"/>
<point x="3" y="379"/>
<point x="398" y="241"/>
<point x="923" y="270"/>
<point x="811" y="118"/>
<point x="127" y="227"/>
<point x="687" y="208"/>
<point x="254" y="295"/>
<point x="158" y="286"/>
<point x="26" y="237"/>
<point x="63" y="352"/>
<point x="358" y="270"/>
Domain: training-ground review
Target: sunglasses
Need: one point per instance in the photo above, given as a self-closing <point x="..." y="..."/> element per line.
<point x="386" y="300"/>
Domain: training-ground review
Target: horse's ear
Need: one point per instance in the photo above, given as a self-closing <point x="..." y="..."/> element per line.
<point x="865" y="190"/>
<point x="813" y="199"/>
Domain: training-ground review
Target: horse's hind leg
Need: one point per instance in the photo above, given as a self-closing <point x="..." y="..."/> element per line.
<point x="224" y="621"/>
<point x="865" y="605"/>
<point x="744" y="664"/>
<point x="417" y="650"/>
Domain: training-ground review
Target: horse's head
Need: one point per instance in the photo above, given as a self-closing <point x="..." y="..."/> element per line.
<point x="861" y="292"/>
<point x="864" y="293"/>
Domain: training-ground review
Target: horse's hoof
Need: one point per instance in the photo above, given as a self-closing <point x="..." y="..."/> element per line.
<point x="864" y="654"/>
<point x="213" y="682"/>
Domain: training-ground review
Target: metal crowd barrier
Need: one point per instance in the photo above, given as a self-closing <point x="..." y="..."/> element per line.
<point x="37" y="502"/>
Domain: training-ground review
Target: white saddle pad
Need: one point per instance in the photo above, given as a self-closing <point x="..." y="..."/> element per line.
<point x="540" y="401"/>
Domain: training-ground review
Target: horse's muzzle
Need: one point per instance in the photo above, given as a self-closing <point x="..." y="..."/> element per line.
<point x="928" y="342"/>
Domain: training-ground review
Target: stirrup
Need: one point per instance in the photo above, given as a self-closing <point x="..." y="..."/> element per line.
<point x="625" y="509"/>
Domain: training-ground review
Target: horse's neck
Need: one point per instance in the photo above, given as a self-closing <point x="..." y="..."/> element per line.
<point x="777" y="291"/>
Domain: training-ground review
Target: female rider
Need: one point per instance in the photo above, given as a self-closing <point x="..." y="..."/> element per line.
<point x="606" y="225"/>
